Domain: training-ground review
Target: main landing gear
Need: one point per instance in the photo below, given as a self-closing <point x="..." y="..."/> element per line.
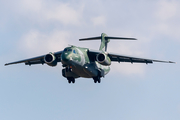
<point x="71" y="80"/>
<point x="97" y="79"/>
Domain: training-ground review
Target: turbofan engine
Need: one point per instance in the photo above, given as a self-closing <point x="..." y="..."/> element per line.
<point x="50" y="59"/>
<point x="103" y="59"/>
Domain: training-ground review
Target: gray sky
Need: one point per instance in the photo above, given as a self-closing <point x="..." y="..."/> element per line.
<point x="129" y="92"/>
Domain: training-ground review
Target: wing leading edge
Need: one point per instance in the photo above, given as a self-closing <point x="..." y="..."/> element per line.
<point x="37" y="60"/>
<point x="125" y="58"/>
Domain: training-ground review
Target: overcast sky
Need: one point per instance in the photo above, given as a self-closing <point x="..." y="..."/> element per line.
<point x="30" y="28"/>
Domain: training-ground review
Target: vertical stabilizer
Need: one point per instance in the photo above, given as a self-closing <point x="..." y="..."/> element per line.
<point x="104" y="42"/>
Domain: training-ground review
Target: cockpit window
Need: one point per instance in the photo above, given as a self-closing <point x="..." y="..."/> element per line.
<point x="69" y="50"/>
<point x="65" y="49"/>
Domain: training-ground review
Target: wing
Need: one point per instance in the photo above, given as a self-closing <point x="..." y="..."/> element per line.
<point x="37" y="60"/>
<point x="125" y="58"/>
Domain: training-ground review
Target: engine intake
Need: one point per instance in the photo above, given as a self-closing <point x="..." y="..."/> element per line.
<point x="50" y="59"/>
<point x="103" y="59"/>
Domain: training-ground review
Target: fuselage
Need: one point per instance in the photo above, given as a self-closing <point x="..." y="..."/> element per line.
<point x="77" y="63"/>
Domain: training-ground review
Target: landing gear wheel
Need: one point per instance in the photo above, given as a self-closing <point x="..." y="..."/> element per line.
<point x="71" y="79"/>
<point x="97" y="79"/>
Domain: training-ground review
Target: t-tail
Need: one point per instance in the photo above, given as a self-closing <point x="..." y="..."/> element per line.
<point x="105" y="40"/>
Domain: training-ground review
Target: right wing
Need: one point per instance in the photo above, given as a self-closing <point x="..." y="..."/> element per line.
<point x="37" y="60"/>
<point x="124" y="58"/>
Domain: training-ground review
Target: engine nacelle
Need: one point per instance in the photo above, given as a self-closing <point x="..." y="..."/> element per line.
<point x="103" y="59"/>
<point x="50" y="59"/>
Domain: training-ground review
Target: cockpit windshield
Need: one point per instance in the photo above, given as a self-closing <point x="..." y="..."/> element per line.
<point x="67" y="50"/>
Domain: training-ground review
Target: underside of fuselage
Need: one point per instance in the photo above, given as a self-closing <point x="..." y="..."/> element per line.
<point x="77" y="64"/>
<point x="77" y="71"/>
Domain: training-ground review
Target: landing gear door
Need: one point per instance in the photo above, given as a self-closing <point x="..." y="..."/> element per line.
<point x="101" y="72"/>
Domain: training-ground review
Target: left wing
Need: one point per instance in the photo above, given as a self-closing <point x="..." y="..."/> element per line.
<point x="37" y="60"/>
<point x="125" y="58"/>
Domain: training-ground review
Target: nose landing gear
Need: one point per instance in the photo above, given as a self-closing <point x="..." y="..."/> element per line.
<point x="67" y="73"/>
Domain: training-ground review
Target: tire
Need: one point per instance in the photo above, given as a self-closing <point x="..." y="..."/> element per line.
<point x="69" y="81"/>
<point x="73" y="80"/>
<point x="99" y="81"/>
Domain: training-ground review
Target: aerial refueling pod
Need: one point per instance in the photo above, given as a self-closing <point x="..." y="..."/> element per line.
<point x="50" y="59"/>
<point x="103" y="59"/>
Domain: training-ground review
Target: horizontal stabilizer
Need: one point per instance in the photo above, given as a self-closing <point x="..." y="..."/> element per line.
<point x="106" y="37"/>
<point x="105" y="40"/>
<point x="120" y="38"/>
<point x="92" y="38"/>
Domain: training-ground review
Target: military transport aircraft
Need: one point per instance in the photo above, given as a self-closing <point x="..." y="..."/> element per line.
<point x="84" y="62"/>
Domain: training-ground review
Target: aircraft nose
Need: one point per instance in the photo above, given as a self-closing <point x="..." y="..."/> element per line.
<point x="65" y="57"/>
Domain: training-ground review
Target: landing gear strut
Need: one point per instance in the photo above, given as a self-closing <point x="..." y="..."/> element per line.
<point x="71" y="79"/>
<point x="68" y="69"/>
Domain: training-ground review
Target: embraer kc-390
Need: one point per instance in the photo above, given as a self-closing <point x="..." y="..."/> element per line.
<point x="84" y="62"/>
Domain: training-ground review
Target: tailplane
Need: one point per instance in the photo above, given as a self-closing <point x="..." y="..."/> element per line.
<point x="105" y="40"/>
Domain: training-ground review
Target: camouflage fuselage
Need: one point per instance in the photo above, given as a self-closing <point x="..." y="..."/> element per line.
<point x="81" y="65"/>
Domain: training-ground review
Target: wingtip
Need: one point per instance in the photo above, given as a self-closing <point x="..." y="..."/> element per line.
<point x="6" y="64"/>
<point x="82" y="39"/>
<point x="172" y="62"/>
